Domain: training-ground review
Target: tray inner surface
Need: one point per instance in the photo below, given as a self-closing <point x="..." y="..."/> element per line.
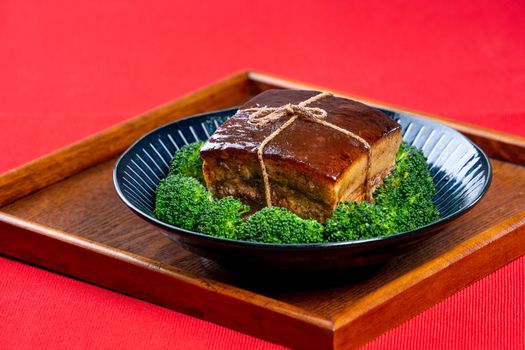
<point x="86" y="205"/>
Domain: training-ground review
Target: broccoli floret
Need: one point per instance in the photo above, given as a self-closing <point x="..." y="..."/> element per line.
<point x="353" y="221"/>
<point x="402" y="203"/>
<point x="187" y="161"/>
<point x="280" y="225"/>
<point x="407" y="192"/>
<point x="223" y="218"/>
<point x="180" y="201"/>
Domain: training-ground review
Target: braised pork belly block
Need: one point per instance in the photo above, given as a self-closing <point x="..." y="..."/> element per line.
<point x="311" y="167"/>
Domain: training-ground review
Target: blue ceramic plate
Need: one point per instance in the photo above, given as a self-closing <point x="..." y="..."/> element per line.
<point x="461" y="173"/>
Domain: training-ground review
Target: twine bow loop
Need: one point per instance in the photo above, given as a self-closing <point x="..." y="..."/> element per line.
<point x="265" y="115"/>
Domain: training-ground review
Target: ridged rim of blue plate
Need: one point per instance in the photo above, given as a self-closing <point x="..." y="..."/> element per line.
<point x="398" y="116"/>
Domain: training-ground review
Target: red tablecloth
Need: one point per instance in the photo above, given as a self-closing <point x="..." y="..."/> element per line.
<point x="69" y="69"/>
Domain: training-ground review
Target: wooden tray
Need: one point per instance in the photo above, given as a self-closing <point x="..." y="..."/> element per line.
<point x="61" y="212"/>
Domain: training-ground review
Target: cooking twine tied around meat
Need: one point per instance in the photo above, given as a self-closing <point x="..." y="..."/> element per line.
<point x="267" y="115"/>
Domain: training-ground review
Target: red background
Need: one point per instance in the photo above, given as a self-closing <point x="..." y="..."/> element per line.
<point x="69" y="69"/>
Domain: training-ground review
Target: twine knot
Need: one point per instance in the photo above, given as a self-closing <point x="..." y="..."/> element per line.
<point x="264" y="115"/>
